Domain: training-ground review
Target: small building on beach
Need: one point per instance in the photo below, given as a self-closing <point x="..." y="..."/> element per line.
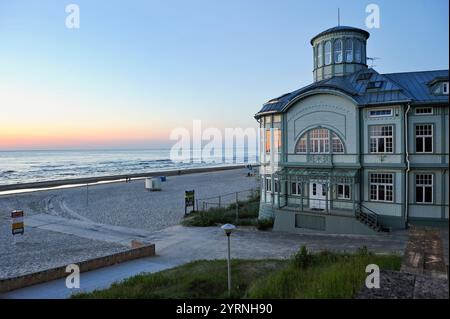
<point x="356" y="151"/>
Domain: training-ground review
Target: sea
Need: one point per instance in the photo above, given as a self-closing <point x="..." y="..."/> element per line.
<point x="17" y="167"/>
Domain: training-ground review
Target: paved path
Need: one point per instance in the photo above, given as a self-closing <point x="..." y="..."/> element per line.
<point x="177" y="245"/>
<point x="87" y="229"/>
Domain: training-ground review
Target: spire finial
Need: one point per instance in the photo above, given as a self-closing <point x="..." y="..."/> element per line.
<point x="339" y="17"/>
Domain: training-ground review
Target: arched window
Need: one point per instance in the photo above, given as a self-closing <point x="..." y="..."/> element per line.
<point x="328" y="53"/>
<point x="358" y="54"/>
<point x="319" y="55"/>
<point x="315" y="56"/>
<point x="319" y="142"/>
<point x="349" y="50"/>
<point x="337" y="146"/>
<point x="338" y="51"/>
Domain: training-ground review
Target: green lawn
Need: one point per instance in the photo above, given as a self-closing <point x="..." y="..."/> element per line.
<point x="305" y="275"/>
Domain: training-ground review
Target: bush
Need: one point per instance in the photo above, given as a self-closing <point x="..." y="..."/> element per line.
<point x="302" y="258"/>
<point x="265" y="224"/>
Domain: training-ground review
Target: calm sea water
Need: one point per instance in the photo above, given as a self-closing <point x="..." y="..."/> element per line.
<point x="33" y="166"/>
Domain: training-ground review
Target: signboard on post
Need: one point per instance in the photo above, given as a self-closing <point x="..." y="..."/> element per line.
<point x="17" y="224"/>
<point x="189" y="200"/>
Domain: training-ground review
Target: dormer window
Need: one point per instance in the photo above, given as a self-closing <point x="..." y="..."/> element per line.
<point x="374" y="85"/>
<point x="445" y="88"/>
<point x="328" y="53"/>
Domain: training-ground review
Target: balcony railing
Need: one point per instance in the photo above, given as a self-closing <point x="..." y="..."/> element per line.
<point x="319" y="158"/>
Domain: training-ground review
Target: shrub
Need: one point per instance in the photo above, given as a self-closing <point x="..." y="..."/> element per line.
<point x="265" y="224"/>
<point x="302" y="258"/>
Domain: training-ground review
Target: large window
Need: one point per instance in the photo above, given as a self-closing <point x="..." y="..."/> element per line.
<point x="277" y="139"/>
<point x="296" y="188"/>
<point x="381" y="187"/>
<point x="381" y="139"/>
<point x="319" y="55"/>
<point x="328" y="53"/>
<point x="343" y="191"/>
<point x="348" y="50"/>
<point x="424" y="138"/>
<point x="268" y="184"/>
<point x="424" y="188"/>
<point x="319" y="142"/>
<point x="338" y="51"/>
<point x="267" y="146"/>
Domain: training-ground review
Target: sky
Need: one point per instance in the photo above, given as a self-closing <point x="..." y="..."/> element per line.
<point x="136" y="70"/>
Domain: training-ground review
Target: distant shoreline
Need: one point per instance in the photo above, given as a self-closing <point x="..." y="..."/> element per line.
<point x="113" y="178"/>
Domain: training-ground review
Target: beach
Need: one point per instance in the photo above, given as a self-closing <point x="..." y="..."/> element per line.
<point x="72" y="224"/>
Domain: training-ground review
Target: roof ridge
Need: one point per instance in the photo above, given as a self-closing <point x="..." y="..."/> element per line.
<point x="408" y="72"/>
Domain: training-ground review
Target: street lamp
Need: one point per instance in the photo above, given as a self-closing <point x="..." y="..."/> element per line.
<point x="228" y="229"/>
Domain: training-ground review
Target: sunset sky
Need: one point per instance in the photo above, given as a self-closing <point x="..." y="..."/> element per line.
<point x="135" y="70"/>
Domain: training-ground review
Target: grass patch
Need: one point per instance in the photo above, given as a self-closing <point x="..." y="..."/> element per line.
<point x="247" y="211"/>
<point x="305" y="275"/>
<point x="199" y="279"/>
<point x="321" y="276"/>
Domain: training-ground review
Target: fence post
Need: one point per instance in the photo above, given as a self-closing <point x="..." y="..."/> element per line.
<point x="237" y="206"/>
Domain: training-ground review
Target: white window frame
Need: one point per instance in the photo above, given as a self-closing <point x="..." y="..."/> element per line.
<point x="319" y="145"/>
<point x="424" y="137"/>
<point x="424" y="113"/>
<point x="391" y="112"/>
<point x="388" y="187"/>
<point x="424" y="186"/>
<point x="342" y="196"/>
<point x="381" y="137"/>
<point x="328" y="53"/>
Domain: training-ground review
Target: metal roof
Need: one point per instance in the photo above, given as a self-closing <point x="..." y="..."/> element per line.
<point x="341" y="29"/>
<point x="394" y="88"/>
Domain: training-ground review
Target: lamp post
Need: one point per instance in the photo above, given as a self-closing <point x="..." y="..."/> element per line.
<point x="228" y="229"/>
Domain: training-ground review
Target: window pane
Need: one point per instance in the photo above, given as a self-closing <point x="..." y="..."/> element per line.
<point x="419" y="194"/>
<point x="319" y="55"/>
<point x="299" y="188"/>
<point x="428" y="144"/>
<point x="381" y="192"/>
<point x="358" y="51"/>
<point x="347" y="191"/>
<point x="349" y="50"/>
<point x="419" y="144"/>
<point x="338" y="51"/>
<point x="428" y="194"/>
<point x="267" y="141"/>
<point x="327" y="53"/>
<point x="294" y="188"/>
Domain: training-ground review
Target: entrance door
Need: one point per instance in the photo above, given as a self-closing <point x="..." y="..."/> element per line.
<point x="318" y="195"/>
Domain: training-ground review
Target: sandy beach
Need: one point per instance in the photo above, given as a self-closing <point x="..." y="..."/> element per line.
<point x="73" y="224"/>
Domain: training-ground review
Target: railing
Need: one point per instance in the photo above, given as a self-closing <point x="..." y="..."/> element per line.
<point x="319" y="158"/>
<point x="225" y="200"/>
<point x="369" y="214"/>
